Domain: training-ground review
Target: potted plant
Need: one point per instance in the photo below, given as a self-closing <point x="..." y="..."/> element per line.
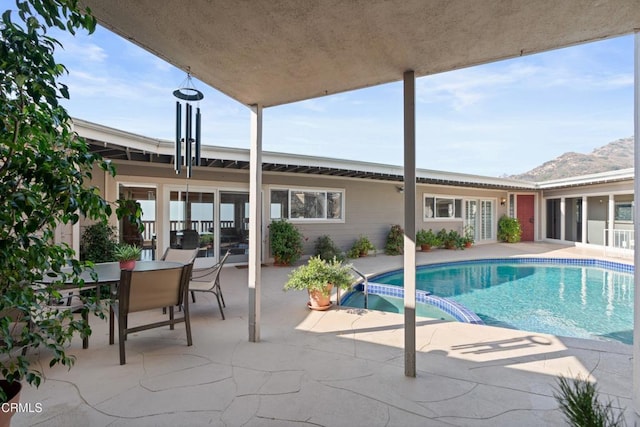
<point x="450" y="239"/>
<point x="285" y="241"/>
<point x="427" y="239"/>
<point x="12" y="391"/>
<point x="361" y="247"/>
<point x="319" y="277"/>
<point x="127" y="255"/>
<point x="467" y="238"/>
<point x="206" y="240"/>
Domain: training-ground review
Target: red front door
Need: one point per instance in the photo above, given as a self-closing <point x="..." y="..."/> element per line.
<point x="525" y="215"/>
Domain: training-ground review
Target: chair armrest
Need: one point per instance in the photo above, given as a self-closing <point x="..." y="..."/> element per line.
<point x="204" y="274"/>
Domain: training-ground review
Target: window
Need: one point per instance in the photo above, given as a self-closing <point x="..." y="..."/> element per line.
<point x="442" y="207"/>
<point x="279" y="204"/>
<point x="624" y="211"/>
<point x="308" y="204"/>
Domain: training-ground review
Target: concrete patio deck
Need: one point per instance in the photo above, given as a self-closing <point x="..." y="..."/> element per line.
<point x="342" y="367"/>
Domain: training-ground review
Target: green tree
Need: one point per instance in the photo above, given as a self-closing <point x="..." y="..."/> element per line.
<point x="44" y="174"/>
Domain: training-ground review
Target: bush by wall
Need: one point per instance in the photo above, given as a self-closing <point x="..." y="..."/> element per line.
<point x="509" y="229"/>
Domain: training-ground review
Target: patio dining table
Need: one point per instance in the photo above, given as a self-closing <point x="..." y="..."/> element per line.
<point x="107" y="273"/>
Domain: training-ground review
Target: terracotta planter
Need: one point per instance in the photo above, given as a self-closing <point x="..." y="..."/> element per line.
<point x="425" y="248"/>
<point x="278" y="262"/>
<point x="318" y="300"/>
<point x="128" y="265"/>
<point x="468" y="245"/>
<point x="13" y="397"/>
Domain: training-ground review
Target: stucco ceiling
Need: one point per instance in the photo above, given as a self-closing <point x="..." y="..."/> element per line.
<point x="279" y="51"/>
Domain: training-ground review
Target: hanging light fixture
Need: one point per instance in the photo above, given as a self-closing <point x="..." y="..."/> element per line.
<point x="187" y="92"/>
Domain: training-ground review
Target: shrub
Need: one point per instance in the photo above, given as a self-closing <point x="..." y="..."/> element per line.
<point x="427" y="238"/>
<point x="450" y="239"/>
<point x="326" y="249"/>
<point x="98" y="242"/>
<point x="361" y="247"/>
<point x="395" y="241"/>
<point x="286" y="242"/>
<point x="579" y="403"/>
<point x="509" y="229"/>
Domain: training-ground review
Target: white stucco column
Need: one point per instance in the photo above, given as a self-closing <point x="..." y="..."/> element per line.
<point x="610" y="220"/>
<point x="410" y="224"/>
<point x="636" y="226"/>
<point x="255" y="221"/>
<point x="563" y="218"/>
<point x="163" y="218"/>
<point x="585" y="210"/>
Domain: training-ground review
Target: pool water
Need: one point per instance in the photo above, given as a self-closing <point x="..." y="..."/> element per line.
<point x="393" y="305"/>
<point x="565" y="300"/>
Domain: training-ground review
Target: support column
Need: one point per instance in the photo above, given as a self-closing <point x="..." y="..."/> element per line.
<point x="563" y="218"/>
<point x="410" y="224"/>
<point x="585" y="210"/>
<point x="255" y="222"/>
<point x="163" y="219"/>
<point x="611" y="214"/>
<point x="636" y="225"/>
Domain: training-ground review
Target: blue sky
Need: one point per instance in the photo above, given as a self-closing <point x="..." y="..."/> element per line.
<point x="496" y="119"/>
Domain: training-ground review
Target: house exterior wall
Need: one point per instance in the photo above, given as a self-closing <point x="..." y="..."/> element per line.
<point x="600" y="202"/>
<point x="464" y="193"/>
<point x="371" y="206"/>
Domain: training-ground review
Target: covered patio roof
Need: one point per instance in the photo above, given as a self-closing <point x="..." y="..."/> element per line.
<point x="282" y="51"/>
<point x="116" y="144"/>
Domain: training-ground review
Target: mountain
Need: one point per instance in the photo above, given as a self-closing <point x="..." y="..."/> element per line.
<point x="613" y="156"/>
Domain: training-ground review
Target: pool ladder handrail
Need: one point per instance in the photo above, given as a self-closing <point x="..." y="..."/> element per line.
<point x="365" y="283"/>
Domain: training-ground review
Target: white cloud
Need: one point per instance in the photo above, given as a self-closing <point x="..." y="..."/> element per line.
<point x="488" y="120"/>
<point x="80" y="49"/>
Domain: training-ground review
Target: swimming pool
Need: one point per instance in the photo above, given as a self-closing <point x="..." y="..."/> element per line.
<point x="582" y="298"/>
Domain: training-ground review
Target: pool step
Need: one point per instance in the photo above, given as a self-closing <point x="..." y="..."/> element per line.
<point x="452" y="308"/>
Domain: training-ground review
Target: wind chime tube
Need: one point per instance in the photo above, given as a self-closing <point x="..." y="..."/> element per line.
<point x="198" y="122"/>
<point x="188" y="140"/>
<point x="177" y="162"/>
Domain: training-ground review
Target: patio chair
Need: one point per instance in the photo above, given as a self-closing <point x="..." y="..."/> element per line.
<point x="149" y="290"/>
<point x="190" y="239"/>
<point x="208" y="280"/>
<point x="184" y="256"/>
<point x="173" y="239"/>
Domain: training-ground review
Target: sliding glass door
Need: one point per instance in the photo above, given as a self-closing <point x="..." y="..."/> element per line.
<point x="193" y="211"/>
<point x="480" y="222"/>
<point x="234" y="225"/>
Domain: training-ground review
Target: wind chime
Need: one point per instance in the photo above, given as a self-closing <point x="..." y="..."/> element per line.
<point x="187" y="92"/>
